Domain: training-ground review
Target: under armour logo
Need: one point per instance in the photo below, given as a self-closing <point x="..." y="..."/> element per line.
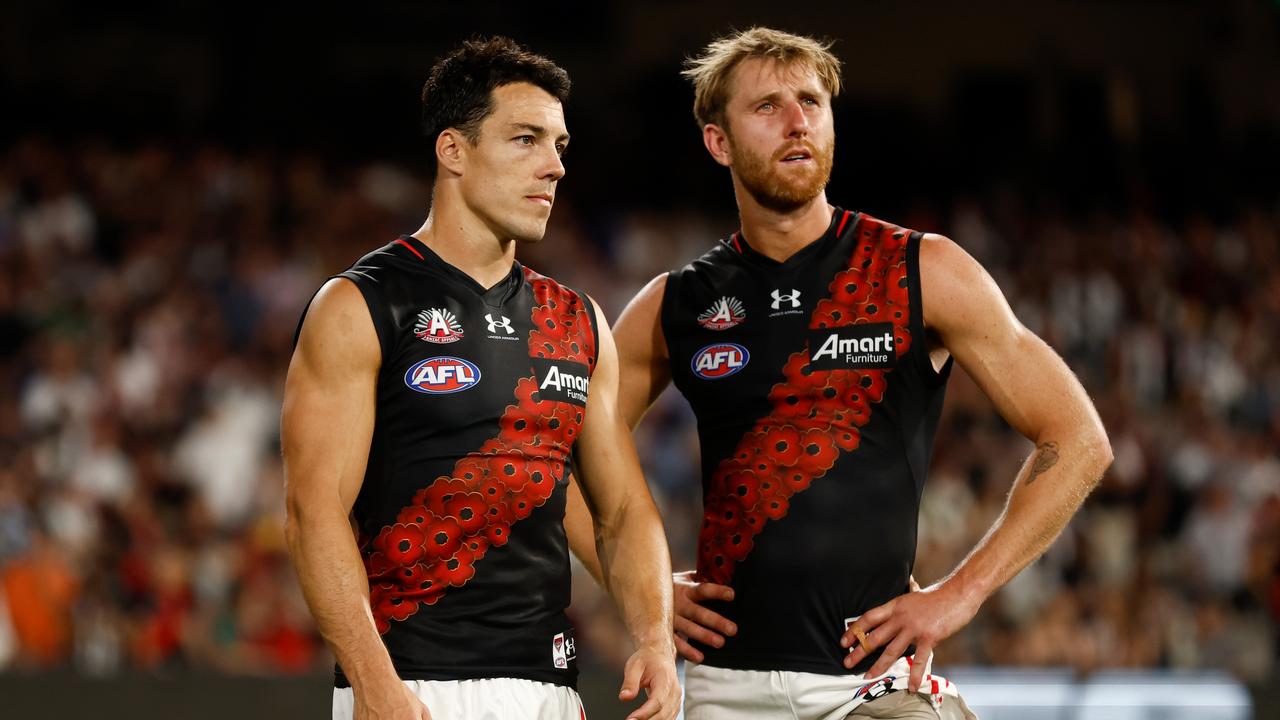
<point x="793" y="298"/>
<point x="504" y="323"/>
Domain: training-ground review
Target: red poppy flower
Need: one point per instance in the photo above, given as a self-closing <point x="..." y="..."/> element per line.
<point x="522" y="505"/>
<point x="414" y="515"/>
<point x="469" y="510"/>
<point x="498" y="533"/>
<point x="845" y="437"/>
<point x="754" y="520"/>
<point x="518" y="426"/>
<point x="739" y="545"/>
<point x="543" y="346"/>
<point x="443" y="538"/>
<point x="789" y="402"/>
<point x="440" y="492"/>
<point x="744" y="487"/>
<point x="844" y="287"/>
<point x="797" y="479"/>
<point x="764" y="466"/>
<point x="551" y="324"/>
<point x="819" y="452"/>
<point x="492" y="489"/>
<point x="500" y="512"/>
<point x="377" y="566"/>
<point x="775" y="507"/>
<point x="541" y="482"/>
<point x="508" y="469"/>
<point x="395" y="607"/>
<point x="478" y="545"/>
<point x="470" y="471"/>
<point x="527" y="395"/>
<point x="460" y="568"/>
<point x="783" y="445"/>
<point x="401" y="544"/>
<point x="826" y="399"/>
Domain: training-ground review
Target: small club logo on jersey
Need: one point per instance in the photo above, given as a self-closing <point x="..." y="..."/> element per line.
<point x="442" y="375"/>
<point x="719" y="361"/>
<point x="869" y="345"/>
<point x="501" y="323"/>
<point x="723" y="314"/>
<point x="562" y="380"/>
<point x="438" y="325"/>
<point x="562" y="650"/>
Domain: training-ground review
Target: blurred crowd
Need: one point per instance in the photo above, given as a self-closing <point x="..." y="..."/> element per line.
<point x="148" y="300"/>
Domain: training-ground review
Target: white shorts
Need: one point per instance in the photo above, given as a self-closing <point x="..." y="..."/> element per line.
<point x="712" y="693"/>
<point x="487" y="699"/>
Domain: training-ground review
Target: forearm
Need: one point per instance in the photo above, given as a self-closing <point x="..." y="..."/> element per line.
<point x="336" y="589"/>
<point x="580" y="530"/>
<point x="636" y="568"/>
<point x="1050" y="487"/>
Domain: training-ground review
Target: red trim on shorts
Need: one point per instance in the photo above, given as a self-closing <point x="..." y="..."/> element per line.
<point x="412" y="249"/>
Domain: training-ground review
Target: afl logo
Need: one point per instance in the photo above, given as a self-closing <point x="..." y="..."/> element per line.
<point x="720" y="360"/>
<point x="442" y="375"/>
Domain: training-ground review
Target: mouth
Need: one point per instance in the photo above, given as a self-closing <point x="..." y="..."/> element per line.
<point x="796" y="156"/>
<point x="542" y="199"/>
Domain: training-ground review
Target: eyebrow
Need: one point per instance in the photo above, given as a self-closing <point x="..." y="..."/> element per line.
<point x="538" y="131"/>
<point x="776" y="95"/>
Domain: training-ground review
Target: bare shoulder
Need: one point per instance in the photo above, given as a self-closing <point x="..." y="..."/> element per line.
<point x="955" y="289"/>
<point x="338" y="328"/>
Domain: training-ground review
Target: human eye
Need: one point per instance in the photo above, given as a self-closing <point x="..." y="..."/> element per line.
<point x="524" y="139"/>
<point x="765" y="106"/>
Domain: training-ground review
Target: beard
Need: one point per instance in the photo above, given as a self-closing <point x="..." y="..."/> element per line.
<point x="765" y="180"/>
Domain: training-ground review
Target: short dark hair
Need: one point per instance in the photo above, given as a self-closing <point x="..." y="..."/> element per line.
<point x="459" y="92"/>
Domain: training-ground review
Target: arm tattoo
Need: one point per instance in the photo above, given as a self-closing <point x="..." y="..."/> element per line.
<point x="1046" y="457"/>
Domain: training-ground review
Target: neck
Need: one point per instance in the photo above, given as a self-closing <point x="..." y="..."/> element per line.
<point x="780" y="234"/>
<point x="467" y="243"/>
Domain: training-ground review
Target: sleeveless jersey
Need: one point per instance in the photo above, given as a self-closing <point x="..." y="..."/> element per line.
<point x="480" y="398"/>
<point x="816" y="404"/>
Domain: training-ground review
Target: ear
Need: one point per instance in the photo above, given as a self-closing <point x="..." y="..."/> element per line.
<point x="718" y="143"/>
<point x="451" y="150"/>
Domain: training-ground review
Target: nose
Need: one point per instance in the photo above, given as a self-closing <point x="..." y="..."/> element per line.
<point x="553" y="167"/>
<point x="797" y="120"/>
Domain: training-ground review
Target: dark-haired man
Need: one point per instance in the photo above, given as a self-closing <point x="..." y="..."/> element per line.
<point x="438" y="397"/>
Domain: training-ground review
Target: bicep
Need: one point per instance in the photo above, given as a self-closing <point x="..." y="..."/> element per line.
<point x="1029" y="384"/>
<point x="329" y="400"/>
<point x="643" y="367"/>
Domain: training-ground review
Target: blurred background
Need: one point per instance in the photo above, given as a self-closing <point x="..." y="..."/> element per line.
<point x="176" y="180"/>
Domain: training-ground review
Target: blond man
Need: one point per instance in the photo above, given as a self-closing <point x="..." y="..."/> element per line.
<point x="814" y="345"/>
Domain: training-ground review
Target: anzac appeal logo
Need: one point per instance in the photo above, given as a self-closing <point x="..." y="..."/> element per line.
<point x="442" y="375"/>
<point x="719" y="360"/>
<point x="723" y="314"/>
<point x="438" y="326"/>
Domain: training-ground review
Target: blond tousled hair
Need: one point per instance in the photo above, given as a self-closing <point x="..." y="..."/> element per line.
<point x="710" y="71"/>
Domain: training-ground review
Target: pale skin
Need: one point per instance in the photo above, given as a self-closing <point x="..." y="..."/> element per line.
<point x="772" y="108"/>
<point x="488" y="196"/>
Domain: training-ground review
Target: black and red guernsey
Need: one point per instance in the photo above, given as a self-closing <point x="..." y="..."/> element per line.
<point x="480" y="397"/>
<point x="816" y="404"/>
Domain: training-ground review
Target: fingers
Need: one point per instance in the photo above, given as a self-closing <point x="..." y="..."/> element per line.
<point x="710" y="591"/>
<point x="693" y="630"/>
<point x="875" y="637"/>
<point x="631" y="680"/>
<point x="918" y="664"/>
<point x="895" y="650"/>
<point x="650" y="708"/>
<point x="711" y="619"/>
<point x="687" y="651"/>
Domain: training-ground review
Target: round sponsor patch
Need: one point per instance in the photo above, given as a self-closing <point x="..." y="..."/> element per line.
<point x="719" y="360"/>
<point x="442" y="375"/>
